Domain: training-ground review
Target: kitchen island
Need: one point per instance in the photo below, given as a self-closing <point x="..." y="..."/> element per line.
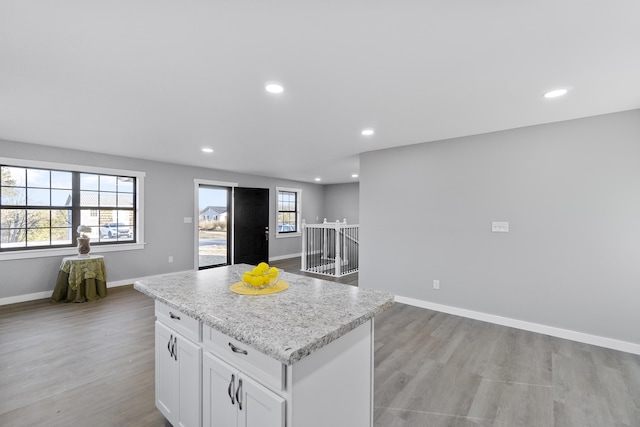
<point x="302" y="357"/>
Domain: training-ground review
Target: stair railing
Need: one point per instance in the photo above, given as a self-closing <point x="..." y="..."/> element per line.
<point x="330" y="248"/>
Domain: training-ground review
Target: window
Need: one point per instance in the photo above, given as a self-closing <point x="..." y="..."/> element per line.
<point x="33" y="209"/>
<point x="42" y="205"/>
<point x="113" y="198"/>
<point x="288" y="215"/>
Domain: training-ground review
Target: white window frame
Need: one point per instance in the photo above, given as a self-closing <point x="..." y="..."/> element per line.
<point x="49" y="252"/>
<point x="298" y="192"/>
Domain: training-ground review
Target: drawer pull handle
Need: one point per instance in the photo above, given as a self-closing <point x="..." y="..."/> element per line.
<point x="230" y="389"/>
<point x="173" y="316"/>
<point x="238" y="350"/>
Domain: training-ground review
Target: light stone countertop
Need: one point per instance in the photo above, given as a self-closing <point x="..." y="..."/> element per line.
<point x="286" y="326"/>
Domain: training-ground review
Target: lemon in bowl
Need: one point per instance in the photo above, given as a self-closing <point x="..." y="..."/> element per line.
<point x="262" y="276"/>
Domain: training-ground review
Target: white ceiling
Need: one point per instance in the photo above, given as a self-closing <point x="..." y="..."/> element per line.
<point x="160" y="79"/>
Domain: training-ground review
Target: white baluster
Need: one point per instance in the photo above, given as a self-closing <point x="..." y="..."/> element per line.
<point x="303" y="260"/>
<point x="338" y="259"/>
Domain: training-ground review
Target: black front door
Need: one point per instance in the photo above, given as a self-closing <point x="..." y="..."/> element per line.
<point x="251" y="226"/>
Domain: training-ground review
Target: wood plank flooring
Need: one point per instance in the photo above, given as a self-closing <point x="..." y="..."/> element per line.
<point x="92" y="364"/>
<point x="88" y="364"/>
<point x="435" y="369"/>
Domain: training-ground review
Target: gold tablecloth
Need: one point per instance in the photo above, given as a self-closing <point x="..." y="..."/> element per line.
<point x="81" y="279"/>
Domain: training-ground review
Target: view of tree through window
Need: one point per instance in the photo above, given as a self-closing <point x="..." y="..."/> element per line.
<point x="42" y="208"/>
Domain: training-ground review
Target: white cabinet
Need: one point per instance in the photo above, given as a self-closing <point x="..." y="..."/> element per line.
<point x="166" y="373"/>
<point x="178" y="369"/>
<point x="332" y="386"/>
<point x="231" y="398"/>
<point x="205" y="377"/>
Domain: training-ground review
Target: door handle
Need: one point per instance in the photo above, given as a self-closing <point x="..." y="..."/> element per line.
<point x="175" y="353"/>
<point x="173" y="316"/>
<point x="169" y="345"/>
<point x="230" y="389"/>
<point x="239" y="394"/>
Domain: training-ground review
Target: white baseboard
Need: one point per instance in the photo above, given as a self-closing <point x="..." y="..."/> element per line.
<point x="120" y="283"/>
<point x="47" y="294"/>
<point x="23" y="298"/>
<point x="526" y="326"/>
<point x="281" y="257"/>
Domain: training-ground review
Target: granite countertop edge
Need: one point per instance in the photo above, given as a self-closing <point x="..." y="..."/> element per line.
<point x="335" y="334"/>
<point x="295" y="355"/>
<point x="286" y="357"/>
<point x="145" y="290"/>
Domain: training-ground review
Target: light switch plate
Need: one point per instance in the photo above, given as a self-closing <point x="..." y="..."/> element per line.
<point x="188" y="220"/>
<point x="500" y="227"/>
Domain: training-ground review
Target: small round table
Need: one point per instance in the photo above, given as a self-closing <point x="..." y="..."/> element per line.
<point x="81" y="279"/>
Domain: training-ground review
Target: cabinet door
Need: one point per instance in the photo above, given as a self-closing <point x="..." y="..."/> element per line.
<point x="189" y="359"/>
<point x="219" y="382"/>
<point x="166" y="373"/>
<point x="258" y="406"/>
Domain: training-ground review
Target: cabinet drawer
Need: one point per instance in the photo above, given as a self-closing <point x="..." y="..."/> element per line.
<point x="178" y="321"/>
<point x="263" y="368"/>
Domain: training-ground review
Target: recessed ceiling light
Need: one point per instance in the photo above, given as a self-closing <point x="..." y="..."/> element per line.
<point x="367" y="132"/>
<point x="354" y="175"/>
<point x="555" y="93"/>
<point x="274" y="88"/>
<point x="318" y="179"/>
<point x="207" y="150"/>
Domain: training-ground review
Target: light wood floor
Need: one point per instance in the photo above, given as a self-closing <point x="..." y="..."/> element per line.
<point x="92" y="364"/>
<point x="435" y="369"/>
<point x="79" y="365"/>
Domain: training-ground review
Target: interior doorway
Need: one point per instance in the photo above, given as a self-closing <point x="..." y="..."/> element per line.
<point x="214" y="226"/>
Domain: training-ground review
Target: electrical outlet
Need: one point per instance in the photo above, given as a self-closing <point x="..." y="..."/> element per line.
<point x="170" y="259"/>
<point x="500" y="227"/>
<point x="436" y="284"/>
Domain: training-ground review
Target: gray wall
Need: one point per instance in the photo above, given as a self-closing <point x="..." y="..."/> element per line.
<point x="342" y="201"/>
<point x="168" y="197"/>
<point x="571" y="193"/>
